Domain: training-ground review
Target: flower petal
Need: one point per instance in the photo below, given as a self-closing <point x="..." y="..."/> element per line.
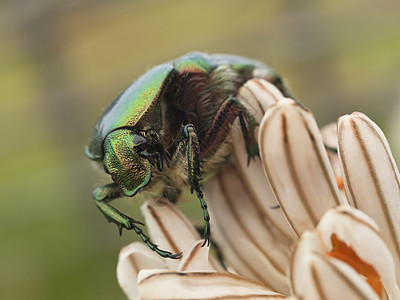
<point x="248" y="242"/>
<point x="315" y="275"/>
<point x="330" y="138"/>
<point x="200" y="285"/>
<point x="371" y="177"/>
<point x="171" y="230"/>
<point x="196" y="259"/>
<point x="297" y="165"/>
<point x="132" y="259"/>
<point x="258" y="95"/>
<point x="361" y="233"/>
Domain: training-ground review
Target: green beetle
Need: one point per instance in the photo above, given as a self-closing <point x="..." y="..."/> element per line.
<point x="169" y="127"/>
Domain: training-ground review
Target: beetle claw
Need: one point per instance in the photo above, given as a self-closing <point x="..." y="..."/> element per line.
<point x="151" y="245"/>
<point x="136" y="222"/>
<point x="176" y="256"/>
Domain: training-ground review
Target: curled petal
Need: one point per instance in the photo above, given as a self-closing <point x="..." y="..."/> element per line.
<point x="200" y="285"/>
<point x="297" y="165"/>
<point x="196" y="259"/>
<point x="249" y="244"/>
<point x="171" y="230"/>
<point x="258" y="95"/>
<point x="132" y="259"/>
<point x="361" y="233"/>
<point x="371" y="177"/>
<point x="315" y="275"/>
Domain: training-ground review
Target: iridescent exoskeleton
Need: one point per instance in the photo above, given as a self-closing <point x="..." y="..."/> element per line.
<point x="170" y="127"/>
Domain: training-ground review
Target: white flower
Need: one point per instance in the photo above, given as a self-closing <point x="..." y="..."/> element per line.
<point x="291" y="230"/>
<point x="345" y="257"/>
<point x="142" y="274"/>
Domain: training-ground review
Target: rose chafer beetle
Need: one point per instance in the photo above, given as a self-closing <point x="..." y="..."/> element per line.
<point x="170" y="127"/>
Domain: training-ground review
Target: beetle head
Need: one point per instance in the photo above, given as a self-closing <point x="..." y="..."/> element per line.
<point x="121" y="159"/>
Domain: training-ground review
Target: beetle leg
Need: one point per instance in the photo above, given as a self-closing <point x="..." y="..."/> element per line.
<point x="226" y="115"/>
<point x="105" y="194"/>
<point x="188" y="137"/>
<point x="193" y="156"/>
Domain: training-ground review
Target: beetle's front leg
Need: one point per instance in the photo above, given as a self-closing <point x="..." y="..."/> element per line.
<point x="227" y="113"/>
<point x="105" y="194"/>
<point x="187" y="137"/>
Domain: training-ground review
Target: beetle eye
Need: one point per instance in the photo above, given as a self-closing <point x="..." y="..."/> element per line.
<point x="139" y="143"/>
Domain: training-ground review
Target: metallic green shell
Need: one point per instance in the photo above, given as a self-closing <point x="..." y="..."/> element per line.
<point x="138" y="106"/>
<point x="129" y="107"/>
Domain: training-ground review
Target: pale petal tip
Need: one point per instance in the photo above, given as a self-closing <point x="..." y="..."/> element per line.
<point x="196" y="259"/>
<point x="352" y="116"/>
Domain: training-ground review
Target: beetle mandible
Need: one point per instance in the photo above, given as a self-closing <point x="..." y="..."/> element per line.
<point x="170" y="127"/>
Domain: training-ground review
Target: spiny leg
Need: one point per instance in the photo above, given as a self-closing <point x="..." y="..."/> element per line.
<point x="226" y="115"/>
<point x="105" y="194"/>
<point x="188" y="137"/>
<point x="193" y="156"/>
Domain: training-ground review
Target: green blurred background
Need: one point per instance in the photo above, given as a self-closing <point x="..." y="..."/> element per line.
<point x="62" y="62"/>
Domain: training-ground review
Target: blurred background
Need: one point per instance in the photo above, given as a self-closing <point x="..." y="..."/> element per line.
<point x="62" y="62"/>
